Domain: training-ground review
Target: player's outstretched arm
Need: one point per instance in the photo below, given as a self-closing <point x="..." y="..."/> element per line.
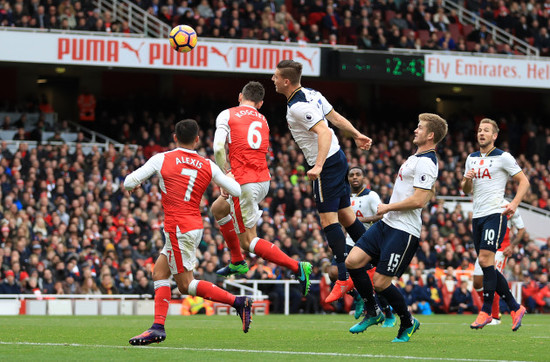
<point x="362" y="141"/>
<point x="417" y="200"/>
<point x="225" y="182"/>
<point x="523" y="187"/>
<point x="133" y="180"/>
<point x="509" y="250"/>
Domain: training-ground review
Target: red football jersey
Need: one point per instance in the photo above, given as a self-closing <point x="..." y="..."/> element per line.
<point x="515" y="221"/>
<point x="185" y="176"/>
<point x="248" y="145"/>
<point x="506" y="241"/>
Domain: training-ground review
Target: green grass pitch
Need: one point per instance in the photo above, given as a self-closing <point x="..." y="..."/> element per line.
<point x="271" y="338"/>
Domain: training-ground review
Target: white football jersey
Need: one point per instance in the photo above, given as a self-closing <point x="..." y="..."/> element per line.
<point x="516" y="221"/>
<point x="491" y="174"/>
<point x="364" y="204"/>
<point x="418" y="172"/>
<point x="305" y="108"/>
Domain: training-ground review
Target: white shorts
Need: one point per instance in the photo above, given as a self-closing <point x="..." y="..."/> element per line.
<point x="500" y="263"/>
<point x="180" y="249"/>
<point x="246" y="212"/>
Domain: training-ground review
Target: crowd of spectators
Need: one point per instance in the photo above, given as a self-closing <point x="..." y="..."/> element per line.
<point x="67" y="226"/>
<point x="377" y="24"/>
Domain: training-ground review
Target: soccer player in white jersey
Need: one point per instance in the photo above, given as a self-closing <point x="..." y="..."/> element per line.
<point x="308" y="113"/>
<point x="391" y="243"/>
<point x="184" y="177"/>
<point x="364" y="203"/>
<point x="501" y="257"/>
<point x="486" y="173"/>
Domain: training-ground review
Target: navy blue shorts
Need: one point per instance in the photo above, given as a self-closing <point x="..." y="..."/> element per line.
<point x="391" y="250"/>
<point x="331" y="190"/>
<point x="489" y="232"/>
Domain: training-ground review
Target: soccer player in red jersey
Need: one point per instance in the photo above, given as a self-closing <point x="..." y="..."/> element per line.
<point x="184" y="176"/>
<point x="246" y="132"/>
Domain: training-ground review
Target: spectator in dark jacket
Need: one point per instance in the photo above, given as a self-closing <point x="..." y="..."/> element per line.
<point x="426" y="255"/>
<point x="434" y="294"/>
<point x="462" y="300"/>
<point x="10" y="285"/>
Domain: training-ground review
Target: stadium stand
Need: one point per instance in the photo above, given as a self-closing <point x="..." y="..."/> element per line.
<point x="67" y="227"/>
<point x="66" y="223"/>
<point x="376" y="24"/>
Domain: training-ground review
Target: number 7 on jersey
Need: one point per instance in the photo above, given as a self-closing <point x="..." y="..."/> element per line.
<point x="192" y="176"/>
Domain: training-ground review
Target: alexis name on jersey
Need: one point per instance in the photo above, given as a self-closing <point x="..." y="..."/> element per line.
<point x="189" y="161"/>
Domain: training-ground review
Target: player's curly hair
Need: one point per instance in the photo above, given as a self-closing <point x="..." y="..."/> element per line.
<point x="435" y="124"/>
<point x="291" y="70"/>
<point x="186" y="131"/>
<point x="253" y="91"/>
<point x="358" y="168"/>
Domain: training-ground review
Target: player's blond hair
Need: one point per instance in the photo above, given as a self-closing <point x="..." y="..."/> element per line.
<point x="435" y="124"/>
<point x="291" y="70"/>
<point x="491" y="122"/>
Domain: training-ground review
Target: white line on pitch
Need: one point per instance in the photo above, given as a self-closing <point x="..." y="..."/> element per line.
<point x="254" y="351"/>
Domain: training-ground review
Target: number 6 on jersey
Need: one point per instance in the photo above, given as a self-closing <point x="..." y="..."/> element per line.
<point x="254" y="135"/>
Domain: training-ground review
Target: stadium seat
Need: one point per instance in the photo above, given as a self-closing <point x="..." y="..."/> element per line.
<point x="315" y="18"/>
<point x="446" y="298"/>
<point x="260" y="307"/>
<point x="455" y="32"/>
<point x="467" y="29"/>
<point x="477" y="300"/>
<point x="423" y="35"/>
<point x="390" y="14"/>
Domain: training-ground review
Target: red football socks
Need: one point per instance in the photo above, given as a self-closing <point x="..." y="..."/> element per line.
<point x="480" y="293"/>
<point x="272" y="253"/>
<point x="232" y="241"/>
<point x="496" y="307"/>
<point x="214" y="293"/>
<point x="163" y="295"/>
